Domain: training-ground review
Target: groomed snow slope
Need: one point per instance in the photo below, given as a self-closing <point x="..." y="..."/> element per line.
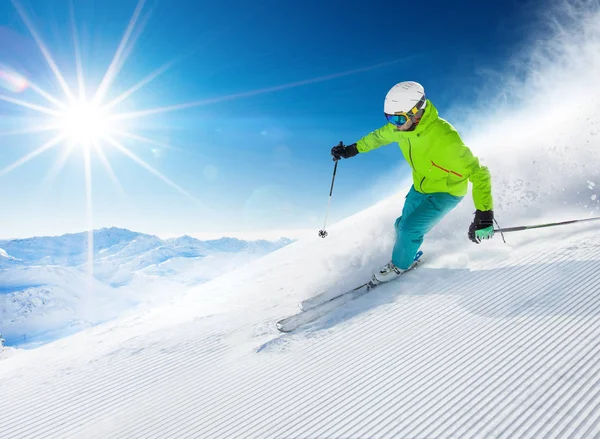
<point x="469" y="346"/>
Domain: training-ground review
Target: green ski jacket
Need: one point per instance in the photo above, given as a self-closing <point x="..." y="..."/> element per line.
<point x="439" y="159"/>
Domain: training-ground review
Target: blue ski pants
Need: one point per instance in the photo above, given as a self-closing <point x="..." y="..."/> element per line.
<point x="420" y="213"/>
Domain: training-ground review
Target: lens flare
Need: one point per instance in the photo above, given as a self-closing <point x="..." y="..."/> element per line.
<point x="12" y="81"/>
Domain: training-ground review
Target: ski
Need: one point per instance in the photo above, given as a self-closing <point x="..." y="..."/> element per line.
<point x="326" y="304"/>
<point x="302" y="318"/>
<point x="326" y="296"/>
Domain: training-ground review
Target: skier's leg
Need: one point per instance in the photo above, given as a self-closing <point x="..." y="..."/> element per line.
<point x="411" y="202"/>
<point x="413" y="227"/>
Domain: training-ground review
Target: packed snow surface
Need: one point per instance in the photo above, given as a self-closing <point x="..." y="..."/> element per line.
<point x="495" y="340"/>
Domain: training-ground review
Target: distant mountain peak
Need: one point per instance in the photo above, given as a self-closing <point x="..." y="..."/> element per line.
<point x="115" y="242"/>
<point x="184" y="240"/>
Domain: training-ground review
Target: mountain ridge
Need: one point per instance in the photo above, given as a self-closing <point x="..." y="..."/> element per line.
<point x="45" y="287"/>
<point x="71" y="249"/>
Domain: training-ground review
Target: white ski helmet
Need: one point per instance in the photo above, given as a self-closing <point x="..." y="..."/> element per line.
<point x="404" y="97"/>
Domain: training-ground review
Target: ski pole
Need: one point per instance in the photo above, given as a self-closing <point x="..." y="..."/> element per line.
<point x="539" y="226"/>
<point x="323" y="233"/>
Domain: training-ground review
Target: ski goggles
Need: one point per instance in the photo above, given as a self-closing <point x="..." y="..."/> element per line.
<point x="400" y="118"/>
<point x="397" y="119"/>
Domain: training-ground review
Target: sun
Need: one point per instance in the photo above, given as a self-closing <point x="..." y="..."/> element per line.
<point x="83" y="123"/>
<point x="83" y="117"/>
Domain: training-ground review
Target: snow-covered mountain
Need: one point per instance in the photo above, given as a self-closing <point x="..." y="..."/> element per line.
<point x="115" y="243"/>
<point x="45" y="291"/>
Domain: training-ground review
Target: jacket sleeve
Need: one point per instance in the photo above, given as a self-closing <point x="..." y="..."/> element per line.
<point x="380" y="137"/>
<point x="482" y="186"/>
<point x="460" y="161"/>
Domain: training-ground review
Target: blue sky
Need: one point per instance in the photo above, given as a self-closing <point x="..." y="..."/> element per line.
<point x="272" y="86"/>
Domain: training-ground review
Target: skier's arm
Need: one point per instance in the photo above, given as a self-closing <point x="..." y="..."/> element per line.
<point x="380" y="137"/>
<point x="460" y="161"/>
<point x="482" y="187"/>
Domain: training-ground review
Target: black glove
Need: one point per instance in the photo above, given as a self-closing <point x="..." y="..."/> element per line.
<point x="482" y="226"/>
<point x="341" y="151"/>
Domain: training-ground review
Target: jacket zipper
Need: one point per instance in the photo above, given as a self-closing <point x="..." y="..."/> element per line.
<point x="410" y="155"/>
<point x="412" y="164"/>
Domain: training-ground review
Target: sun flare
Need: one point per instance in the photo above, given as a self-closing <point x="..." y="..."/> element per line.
<point x="82" y="118"/>
<point x="84" y="123"/>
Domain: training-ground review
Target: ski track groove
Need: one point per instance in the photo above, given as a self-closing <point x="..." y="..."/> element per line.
<point x="582" y="401"/>
<point x="503" y="380"/>
<point x="245" y="397"/>
<point x="559" y="347"/>
<point x="227" y="398"/>
<point x="226" y="402"/>
<point x="331" y="372"/>
<point x="593" y="428"/>
<point x="157" y="360"/>
<point x="355" y="419"/>
<point x="408" y="360"/>
<point x="308" y="432"/>
<point x="572" y="400"/>
<point x="173" y="372"/>
<point x="117" y="390"/>
<point x="517" y="423"/>
<point x="468" y="399"/>
<point x="114" y="389"/>
<point x="289" y="384"/>
<point x="418" y="384"/>
<point x="33" y="387"/>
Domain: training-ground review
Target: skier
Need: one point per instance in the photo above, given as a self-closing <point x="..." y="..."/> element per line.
<point x="441" y="167"/>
